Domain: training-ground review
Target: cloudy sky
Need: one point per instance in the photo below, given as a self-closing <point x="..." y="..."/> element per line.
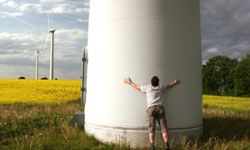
<point x="24" y="26"/>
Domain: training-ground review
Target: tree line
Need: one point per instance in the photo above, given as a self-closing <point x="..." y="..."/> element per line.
<point x="222" y="75"/>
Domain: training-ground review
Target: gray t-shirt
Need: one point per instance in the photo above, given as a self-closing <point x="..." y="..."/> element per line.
<point x="153" y="94"/>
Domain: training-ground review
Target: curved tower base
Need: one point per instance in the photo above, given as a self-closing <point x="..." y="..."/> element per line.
<point x="137" y="137"/>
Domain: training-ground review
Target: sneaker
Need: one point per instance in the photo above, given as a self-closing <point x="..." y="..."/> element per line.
<point x="152" y="147"/>
<point x="167" y="146"/>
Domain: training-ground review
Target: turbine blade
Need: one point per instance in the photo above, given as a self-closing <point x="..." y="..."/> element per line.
<point x="48" y="21"/>
<point x="34" y="56"/>
<point x="25" y="22"/>
<point x="35" y="45"/>
<point x="46" y="41"/>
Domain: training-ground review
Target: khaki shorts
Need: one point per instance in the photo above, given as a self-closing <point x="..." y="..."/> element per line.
<point x="156" y="113"/>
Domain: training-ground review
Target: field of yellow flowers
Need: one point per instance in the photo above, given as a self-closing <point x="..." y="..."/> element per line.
<point x="223" y="102"/>
<point x="36" y="114"/>
<point x="39" y="91"/>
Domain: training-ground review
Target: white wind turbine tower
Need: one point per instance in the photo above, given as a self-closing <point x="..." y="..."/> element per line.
<point x="51" y="76"/>
<point x="52" y="46"/>
<point x="36" y="55"/>
<point x="37" y="64"/>
<point x="52" y="32"/>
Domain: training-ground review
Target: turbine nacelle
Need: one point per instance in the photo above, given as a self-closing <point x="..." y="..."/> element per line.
<point x="52" y="30"/>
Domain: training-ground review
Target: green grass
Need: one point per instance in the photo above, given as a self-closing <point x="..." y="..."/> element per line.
<point x="225" y="128"/>
<point x="44" y="127"/>
<point x="35" y="126"/>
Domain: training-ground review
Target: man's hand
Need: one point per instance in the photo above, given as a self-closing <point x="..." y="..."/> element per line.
<point x="131" y="83"/>
<point x="127" y="80"/>
<point x="177" y="81"/>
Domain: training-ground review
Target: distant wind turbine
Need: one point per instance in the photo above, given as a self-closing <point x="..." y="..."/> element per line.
<point x="52" y="32"/>
<point x="36" y="55"/>
<point x="37" y="65"/>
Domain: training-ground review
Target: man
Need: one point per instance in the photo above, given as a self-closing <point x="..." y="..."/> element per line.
<point x="155" y="110"/>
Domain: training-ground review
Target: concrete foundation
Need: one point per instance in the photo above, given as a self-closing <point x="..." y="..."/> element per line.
<point x="137" y="137"/>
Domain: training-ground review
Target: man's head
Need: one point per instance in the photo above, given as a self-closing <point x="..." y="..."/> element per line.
<point x="155" y="81"/>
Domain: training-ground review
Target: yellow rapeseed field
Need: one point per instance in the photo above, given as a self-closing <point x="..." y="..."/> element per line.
<point x="39" y="91"/>
<point x="224" y="102"/>
<point x="60" y="91"/>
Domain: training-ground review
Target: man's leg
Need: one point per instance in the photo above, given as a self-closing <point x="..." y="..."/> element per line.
<point x="163" y="124"/>
<point x="151" y="138"/>
<point x="152" y="134"/>
<point x="151" y="126"/>
<point x="165" y="137"/>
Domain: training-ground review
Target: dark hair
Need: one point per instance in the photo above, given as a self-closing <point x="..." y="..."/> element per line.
<point x="155" y="81"/>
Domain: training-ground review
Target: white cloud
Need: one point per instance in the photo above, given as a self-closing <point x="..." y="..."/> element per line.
<point x="26" y="7"/>
<point x="16" y="9"/>
<point x="62" y="8"/>
<point x="82" y="20"/>
<point x="11" y="14"/>
<point x="86" y="6"/>
<point x="17" y="37"/>
<point x="8" y="3"/>
<point x="52" y="1"/>
<point x="72" y="33"/>
<point x="12" y="4"/>
<point x="46" y="6"/>
<point x="212" y="50"/>
<point x="67" y="8"/>
<point x="79" y="10"/>
<point x="3" y="1"/>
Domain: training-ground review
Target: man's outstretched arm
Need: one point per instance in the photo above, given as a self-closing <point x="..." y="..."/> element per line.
<point x="172" y="84"/>
<point x="131" y="83"/>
